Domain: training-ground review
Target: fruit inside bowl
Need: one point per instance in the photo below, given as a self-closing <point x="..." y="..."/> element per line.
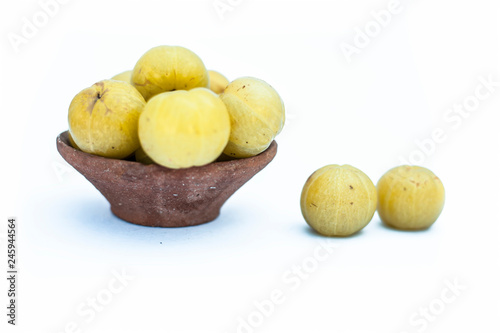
<point x="164" y="144"/>
<point x="153" y="195"/>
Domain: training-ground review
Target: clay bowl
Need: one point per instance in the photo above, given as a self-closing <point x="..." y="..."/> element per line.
<point x="156" y="196"/>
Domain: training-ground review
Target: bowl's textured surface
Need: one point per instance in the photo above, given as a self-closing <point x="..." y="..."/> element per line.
<point x="153" y="195"/>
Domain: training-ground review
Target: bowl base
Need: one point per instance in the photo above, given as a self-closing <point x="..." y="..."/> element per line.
<point x="152" y="195"/>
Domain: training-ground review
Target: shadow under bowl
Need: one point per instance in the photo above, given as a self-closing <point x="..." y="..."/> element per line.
<point x="152" y="195"/>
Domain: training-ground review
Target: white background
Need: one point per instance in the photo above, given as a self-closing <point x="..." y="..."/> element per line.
<point x="368" y="112"/>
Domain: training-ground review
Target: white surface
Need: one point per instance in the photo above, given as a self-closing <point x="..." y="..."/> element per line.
<point x="367" y="113"/>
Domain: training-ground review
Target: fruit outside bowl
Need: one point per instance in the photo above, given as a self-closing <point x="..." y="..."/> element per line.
<point x="156" y="196"/>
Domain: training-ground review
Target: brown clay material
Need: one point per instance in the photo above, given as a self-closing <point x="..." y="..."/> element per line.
<point x="156" y="196"/>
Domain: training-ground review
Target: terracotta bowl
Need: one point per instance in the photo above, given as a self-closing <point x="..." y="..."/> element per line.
<point x="156" y="196"/>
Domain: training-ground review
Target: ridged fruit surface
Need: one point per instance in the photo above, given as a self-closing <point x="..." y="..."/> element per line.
<point x="338" y="200"/>
<point x="257" y="116"/>
<point x="181" y="129"/>
<point x="168" y="68"/>
<point x="410" y="197"/>
<point x="103" y="119"/>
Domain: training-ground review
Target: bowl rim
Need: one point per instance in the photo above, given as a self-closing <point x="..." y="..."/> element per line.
<point x="63" y="138"/>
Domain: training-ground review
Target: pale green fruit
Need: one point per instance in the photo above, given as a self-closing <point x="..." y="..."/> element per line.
<point x="218" y="82"/>
<point x="103" y="119"/>
<point x="168" y="68"/>
<point x="181" y="129"/>
<point x="124" y="76"/>
<point x="257" y="116"/>
<point x="338" y="200"/>
<point x="410" y="197"/>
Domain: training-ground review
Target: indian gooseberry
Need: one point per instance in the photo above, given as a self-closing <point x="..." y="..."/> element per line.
<point x="124" y="76"/>
<point x="103" y="119"/>
<point x="72" y="142"/>
<point x="410" y="197"/>
<point x="257" y="116"/>
<point x="338" y="200"/>
<point x="217" y="81"/>
<point x="167" y="68"/>
<point x="181" y="129"/>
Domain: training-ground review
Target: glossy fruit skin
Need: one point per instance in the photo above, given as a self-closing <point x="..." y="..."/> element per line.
<point x="181" y="129"/>
<point x="103" y="119"/>
<point x="257" y="116"/>
<point x="338" y="200"/>
<point x="168" y="68"/>
<point x="124" y="76"/>
<point x="218" y="82"/>
<point x="410" y="197"/>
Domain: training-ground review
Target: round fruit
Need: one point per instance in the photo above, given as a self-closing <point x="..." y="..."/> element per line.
<point x="410" y="197"/>
<point x="257" y="116"/>
<point x="168" y="68"/>
<point x="217" y="82"/>
<point x="338" y="200"/>
<point x="72" y="142"/>
<point x="124" y="76"/>
<point x="103" y="119"/>
<point x="181" y="129"/>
